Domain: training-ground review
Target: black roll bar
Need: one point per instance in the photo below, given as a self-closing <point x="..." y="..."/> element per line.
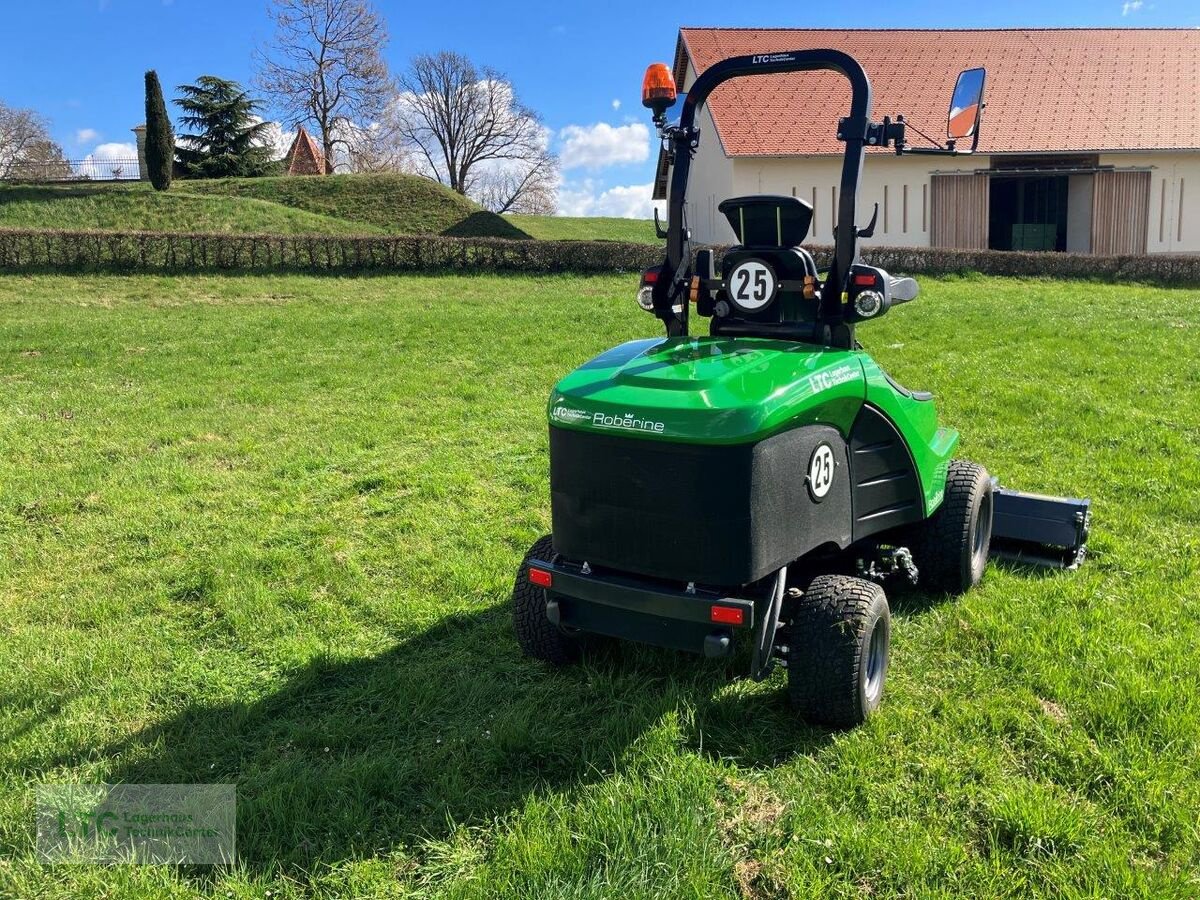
<point x="684" y="139"/>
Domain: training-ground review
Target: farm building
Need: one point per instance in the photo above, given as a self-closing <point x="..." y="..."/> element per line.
<point x="1089" y="141"/>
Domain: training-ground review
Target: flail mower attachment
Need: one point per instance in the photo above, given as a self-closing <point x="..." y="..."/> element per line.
<point x="1035" y="530"/>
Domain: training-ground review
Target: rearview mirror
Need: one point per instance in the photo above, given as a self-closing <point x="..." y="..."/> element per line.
<point x="966" y="105"/>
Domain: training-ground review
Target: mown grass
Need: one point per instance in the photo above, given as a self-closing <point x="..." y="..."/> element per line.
<point x="262" y="530"/>
<point x="587" y="228"/>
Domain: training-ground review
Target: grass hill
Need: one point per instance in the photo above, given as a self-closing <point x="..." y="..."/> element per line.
<point x="396" y="204"/>
<point x="139" y="208"/>
<point x="338" y="204"/>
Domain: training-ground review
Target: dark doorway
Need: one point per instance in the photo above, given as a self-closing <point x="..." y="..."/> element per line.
<point x="1028" y="213"/>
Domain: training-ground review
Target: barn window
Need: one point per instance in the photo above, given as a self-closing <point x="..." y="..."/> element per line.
<point x="1162" y="210"/>
<point x="1179" y="227"/>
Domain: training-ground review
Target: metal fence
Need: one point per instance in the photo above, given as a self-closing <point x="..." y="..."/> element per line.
<point x="87" y="169"/>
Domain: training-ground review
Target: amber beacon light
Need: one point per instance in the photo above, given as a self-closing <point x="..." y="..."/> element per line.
<point x="658" y="90"/>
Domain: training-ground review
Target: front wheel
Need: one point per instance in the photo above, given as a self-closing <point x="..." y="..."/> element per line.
<point x="839" y="635"/>
<point x="536" y="634"/>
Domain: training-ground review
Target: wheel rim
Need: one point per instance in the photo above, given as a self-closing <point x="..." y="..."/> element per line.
<point x="876" y="662"/>
<point x="982" y="531"/>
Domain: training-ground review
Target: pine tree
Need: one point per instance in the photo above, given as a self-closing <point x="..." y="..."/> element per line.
<point x="160" y="139"/>
<point x="228" y="132"/>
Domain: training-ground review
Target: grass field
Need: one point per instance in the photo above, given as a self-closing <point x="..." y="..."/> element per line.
<point x="340" y="204"/>
<point x="585" y="228"/>
<point x="262" y="530"/>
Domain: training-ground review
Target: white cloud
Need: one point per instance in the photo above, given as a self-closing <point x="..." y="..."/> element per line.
<point x="86" y="136"/>
<point x="599" y="145"/>
<point x="585" y="198"/>
<point x="616" y="104"/>
<point x="112" y="160"/>
<point x="276" y="139"/>
<point x="1130" y="6"/>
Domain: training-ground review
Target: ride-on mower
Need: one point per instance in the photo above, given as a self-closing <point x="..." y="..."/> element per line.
<point x="761" y="483"/>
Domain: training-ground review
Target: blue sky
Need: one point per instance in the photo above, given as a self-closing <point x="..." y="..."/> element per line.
<point x="80" y="62"/>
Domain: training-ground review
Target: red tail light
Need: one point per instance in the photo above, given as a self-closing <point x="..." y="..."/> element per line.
<point x="650" y="276"/>
<point x="540" y="577"/>
<point x="727" y="615"/>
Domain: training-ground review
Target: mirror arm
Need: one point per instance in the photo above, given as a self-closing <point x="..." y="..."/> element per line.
<point x="658" y="228"/>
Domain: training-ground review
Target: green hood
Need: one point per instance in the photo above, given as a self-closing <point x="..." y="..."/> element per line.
<point x="710" y="390"/>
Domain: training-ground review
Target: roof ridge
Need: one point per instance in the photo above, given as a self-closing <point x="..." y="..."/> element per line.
<point x="1016" y="30"/>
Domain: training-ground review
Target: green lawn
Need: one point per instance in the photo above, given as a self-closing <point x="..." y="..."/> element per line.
<point x="262" y="530"/>
<point x="596" y="228"/>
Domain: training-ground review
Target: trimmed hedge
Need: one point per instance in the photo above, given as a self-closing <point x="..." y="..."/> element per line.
<point x="35" y="250"/>
<point x="180" y="252"/>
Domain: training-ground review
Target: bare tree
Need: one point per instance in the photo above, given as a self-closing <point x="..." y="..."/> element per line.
<point x="529" y="186"/>
<point x="324" y="66"/>
<point x="470" y="132"/>
<point x="22" y="131"/>
<point x="377" y="148"/>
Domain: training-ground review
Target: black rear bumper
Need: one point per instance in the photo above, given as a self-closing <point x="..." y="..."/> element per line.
<point x="644" y="610"/>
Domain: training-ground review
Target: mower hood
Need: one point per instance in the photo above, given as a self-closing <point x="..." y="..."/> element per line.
<point x="710" y="390"/>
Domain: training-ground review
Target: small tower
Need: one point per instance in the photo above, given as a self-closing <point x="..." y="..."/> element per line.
<point x="305" y="156"/>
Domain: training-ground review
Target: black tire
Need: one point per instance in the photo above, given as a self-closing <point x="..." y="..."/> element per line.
<point x="951" y="548"/>
<point x="839" y="633"/>
<point x="537" y="635"/>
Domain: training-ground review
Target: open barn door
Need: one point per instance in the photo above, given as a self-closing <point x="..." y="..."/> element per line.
<point x="1120" y="211"/>
<point x="960" y="211"/>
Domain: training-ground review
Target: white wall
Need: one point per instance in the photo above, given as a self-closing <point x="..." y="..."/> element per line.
<point x="710" y="180"/>
<point x="1168" y="171"/>
<point x="905" y="179"/>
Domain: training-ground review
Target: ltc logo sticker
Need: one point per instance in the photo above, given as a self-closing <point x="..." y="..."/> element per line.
<point x="820" y="471"/>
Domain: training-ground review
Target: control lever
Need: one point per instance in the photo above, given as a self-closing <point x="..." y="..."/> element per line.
<point x="869" y="231"/>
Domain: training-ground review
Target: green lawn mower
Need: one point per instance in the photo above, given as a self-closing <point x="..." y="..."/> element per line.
<point x="761" y="484"/>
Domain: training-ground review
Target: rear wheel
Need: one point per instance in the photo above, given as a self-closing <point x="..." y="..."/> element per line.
<point x="951" y="548"/>
<point x="838" y="640"/>
<point x="536" y="634"/>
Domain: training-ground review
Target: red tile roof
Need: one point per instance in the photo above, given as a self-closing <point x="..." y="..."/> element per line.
<point x="1048" y="90"/>
<point x="305" y="156"/>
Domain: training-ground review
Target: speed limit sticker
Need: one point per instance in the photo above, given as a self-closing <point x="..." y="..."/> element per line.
<point x="820" y="471"/>
<point x="752" y="285"/>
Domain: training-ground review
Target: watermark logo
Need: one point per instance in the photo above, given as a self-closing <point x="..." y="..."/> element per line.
<point x="175" y="824"/>
<point x="823" y="381"/>
<point x="567" y="414"/>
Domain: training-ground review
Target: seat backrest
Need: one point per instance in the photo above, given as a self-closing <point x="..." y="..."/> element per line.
<point x="768" y="220"/>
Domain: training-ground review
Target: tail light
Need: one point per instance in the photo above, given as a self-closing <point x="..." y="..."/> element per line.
<point x="645" y="294"/>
